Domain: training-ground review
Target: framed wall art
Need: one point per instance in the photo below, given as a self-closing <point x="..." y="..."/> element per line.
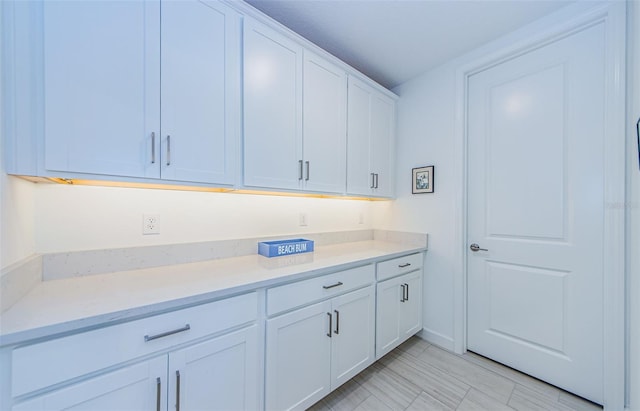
<point x="422" y="180"/>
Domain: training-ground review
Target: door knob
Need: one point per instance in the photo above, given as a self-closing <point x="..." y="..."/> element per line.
<point x="475" y="248"/>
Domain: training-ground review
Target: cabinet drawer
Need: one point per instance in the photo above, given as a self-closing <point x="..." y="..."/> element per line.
<point x="400" y="265"/>
<point x="40" y="365"/>
<point x="315" y="289"/>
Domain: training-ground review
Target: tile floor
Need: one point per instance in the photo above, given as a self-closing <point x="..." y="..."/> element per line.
<point x="418" y="376"/>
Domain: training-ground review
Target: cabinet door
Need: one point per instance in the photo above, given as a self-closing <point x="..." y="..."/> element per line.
<point x="298" y="364"/>
<point x="398" y="311"/>
<point x="219" y="374"/>
<point x="325" y="127"/>
<point x="353" y="334"/>
<point x="272" y="108"/>
<point x="200" y="91"/>
<point x="137" y="387"/>
<point x="359" y="177"/>
<point x="383" y="144"/>
<point x="411" y="308"/>
<point x="101" y="86"/>
<point x="389" y="300"/>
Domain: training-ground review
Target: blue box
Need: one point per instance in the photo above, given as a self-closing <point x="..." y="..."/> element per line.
<point x="285" y="247"/>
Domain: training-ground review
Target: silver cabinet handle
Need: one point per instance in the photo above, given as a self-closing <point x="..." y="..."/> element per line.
<point x="177" y="390"/>
<point x="330" y="325"/>
<point x="153" y="148"/>
<point x="403" y="292"/>
<point x="405" y="265"/>
<point x="158" y="390"/>
<point x="168" y="150"/>
<point x="373" y="180"/>
<point x="475" y="248"/>
<point x="307" y="164"/>
<point x="377" y="175"/>
<point x="326" y="287"/>
<point x="300" y="169"/>
<point x="406" y="287"/>
<point x="148" y="338"/>
<point x="337" y="321"/>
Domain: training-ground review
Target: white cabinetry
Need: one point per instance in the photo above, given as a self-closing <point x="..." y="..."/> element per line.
<point x="313" y="350"/>
<point x="370" y="141"/>
<point x="200" y="90"/>
<point x="187" y="369"/>
<point x="136" y="387"/>
<point x="325" y="125"/>
<point x="294" y="115"/>
<point x="104" y="69"/>
<point x="272" y="108"/>
<point x="399" y="302"/>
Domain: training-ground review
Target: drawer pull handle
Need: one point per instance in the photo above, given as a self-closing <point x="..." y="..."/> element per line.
<point x="158" y="390"/>
<point x="148" y="338"/>
<point x="330" y="324"/>
<point x="177" y="390"/>
<point x="405" y="265"/>
<point x="337" y="331"/>
<point x="326" y="287"/>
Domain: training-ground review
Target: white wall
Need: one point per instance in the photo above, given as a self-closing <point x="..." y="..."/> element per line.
<point x="16" y="220"/>
<point x="425" y="137"/>
<point x="72" y="218"/>
<point x="633" y="208"/>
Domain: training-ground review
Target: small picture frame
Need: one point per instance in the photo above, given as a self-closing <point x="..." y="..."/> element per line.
<point x="422" y="180"/>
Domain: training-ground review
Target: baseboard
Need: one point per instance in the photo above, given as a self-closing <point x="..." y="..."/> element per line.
<point x="438" y="339"/>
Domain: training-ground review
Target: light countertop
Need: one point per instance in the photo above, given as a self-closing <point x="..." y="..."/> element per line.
<point x="72" y="304"/>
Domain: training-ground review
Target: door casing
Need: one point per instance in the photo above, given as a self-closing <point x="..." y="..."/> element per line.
<point x="545" y="31"/>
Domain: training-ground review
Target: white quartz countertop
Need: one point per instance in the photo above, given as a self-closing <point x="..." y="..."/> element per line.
<point x="73" y="304"/>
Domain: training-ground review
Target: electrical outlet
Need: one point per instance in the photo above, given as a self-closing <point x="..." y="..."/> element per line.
<point x="150" y="224"/>
<point x="304" y="220"/>
<point x="361" y="218"/>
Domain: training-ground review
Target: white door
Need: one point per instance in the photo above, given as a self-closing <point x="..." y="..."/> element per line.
<point x="219" y="374"/>
<point x="137" y="387"/>
<point x="102" y="86"/>
<point x="325" y="125"/>
<point x="535" y="192"/>
<point x="298" y="358"/>
<point x="272" y="108"/>
<point x="200" y="96"/>
<point x="353" y="334"/>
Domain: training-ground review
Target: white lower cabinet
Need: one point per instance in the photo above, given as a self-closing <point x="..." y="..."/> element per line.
<point x="217" y="374"/>
<point x="313" y="350"/>
<point x="398" y="310"/>
<point x="136" y="387"/>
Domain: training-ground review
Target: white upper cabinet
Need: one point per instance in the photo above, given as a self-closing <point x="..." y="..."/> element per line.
<point x="200" y="91"/>
<point x="272" y="108"/>
<point x="140" y="89"/>
<point x="204" y="92"/>
<point x="370" y="141"/>
<point x="101" y="86"/>
<point x="295" y="115"/>
<point x="324" y="125"/>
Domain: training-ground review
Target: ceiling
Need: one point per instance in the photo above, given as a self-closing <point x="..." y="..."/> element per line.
<point x="393" y="41"/>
